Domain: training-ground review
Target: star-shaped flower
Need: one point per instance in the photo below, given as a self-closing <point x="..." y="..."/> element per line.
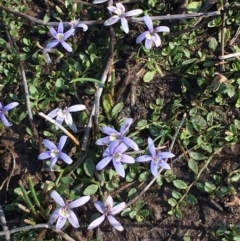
<point x="108" y="211"/>
<point x="115" y="153"/>
<point x="119" y="13"/>
<point x="156" y="158"/>
<point x="64" y="212"/>
<point x="151" y="35"/>
<point x="4" y="109"/>
<point x="65" y="115"/>
<point x="115" y="135"/>
<point x="54" y="152"/>
<point x="60" y="37"/>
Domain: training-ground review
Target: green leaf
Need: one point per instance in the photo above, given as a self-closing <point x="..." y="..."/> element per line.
<point x="148" y="76"/>
<point x="237" y="124"/>
<point x="126" y="212"/>
<point x="66" y="180"/>
<point x="132" y="193"/>
<point x="90" y="190"/>
<point x="172" y="202"/>
<point x="189" y="61"/>
<point x="130" y="176"/>
<point x="132" y="214"/>
<point x="144" y="213"/>
<point x="192" y="164"/>
<point x="191" y="199"/>
<point x="143" y="176"/>
<point x="178" y="213"/>
<point x="138" y="205"/>
<point x="209" y="187"/>
<point x="213" y="43"/>
<point x="197" y="156"/>
<point x="194" y="7"/>
<point x="117" y="109"/>
<point x="235" y="178"/>
<point x="180" y="184"/>
<point x="176" y="195"/>
<point x="89" y="167"/>
<point x="89" y="80"/>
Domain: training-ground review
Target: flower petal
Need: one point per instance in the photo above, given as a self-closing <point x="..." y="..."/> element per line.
<point x="143" y="158"/>
<point x="44" y="155"/>
<point x="60" y="27"/>
<point x="59" y="120"/>
<point x="75" y="108"/>
<point x="53" y="162"/>
<point x="72" y="218"/>
<point x="112" y="9"/>
<point x="60" y="222"/>
<point x="57" y="198"/>
<point x="119" y="168"/>
<point x="127" y="159"/>
<point x="68" y="34"/>
<point x="115" y="223"/>
<point x="66" y="46"/>
<point x="111" y="148"/>
<point x="148" y="43"/>
<point x="52" y="44"/>
<point x="162" y="29"/>
<point x="103" y="141"/>
<point x="154" y="168"/>
<point x="125" y="126"/>
<point x="111" y="20"/>
<point x="50" y="145"/>
<point x="10" y="106"/>
<point x="117" y="208"/>
<point x="121" y="7"/>
<point x="83" y="26"/>
<point x="5" y="121"/>
<point x="79" y="202"/>
<point x="164" y="165"/>
<point x="148" y="22"/>
<point x="65" y="158"/>
<point x="166" y="154"/>
<point x="120" y="148"/>
<point x="141" y="37"/>
<point x="129" y="142"/>
<point x="104" y="162"/>
<point x="151" y="147"/>
<point x="133" y="12"/>
<point x="99" y="1"/>
<point x="70" y="123"/>
<point x="109" y="201"/>
<point x="62" y="142"/>
<point x="157" y="40"/>
<point x="109" y="131"/>
<point x="53" y="32"/>
<point x="99" y="206"/>
<point x="53" y="113"/>
<point x="54" y="216"/>
<point x="124" y="24"/>
<point x="96" y="222"/>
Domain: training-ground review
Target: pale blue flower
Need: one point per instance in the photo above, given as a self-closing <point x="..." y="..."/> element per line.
<point x="4" y="109"/>
<point x="54" y="153"/>
<point x="64" y="212"/>
<point x="151" y="35"/>
<point x="108" y="211"/>
<point x="114" y="135"/>
<point x="119" y="13"/>
<point x="156" y="158"/>
<point x="60" y="37"/>
<point x="115" y="153"/>
<point x="64" y="115"/>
